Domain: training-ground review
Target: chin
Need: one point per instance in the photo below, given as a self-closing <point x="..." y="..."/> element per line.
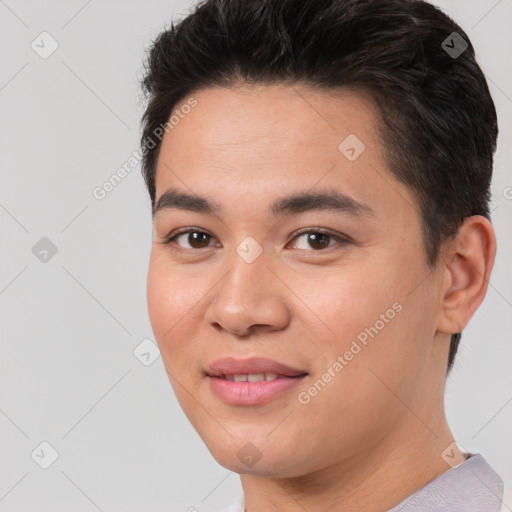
<point x="256" y="458"/>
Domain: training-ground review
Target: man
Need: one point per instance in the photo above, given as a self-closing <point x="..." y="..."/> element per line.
<point x="319" y="173"/>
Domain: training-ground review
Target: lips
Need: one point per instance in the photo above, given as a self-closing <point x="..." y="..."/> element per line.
<point x="230" y="366"/>
<point x="251" y="381"/>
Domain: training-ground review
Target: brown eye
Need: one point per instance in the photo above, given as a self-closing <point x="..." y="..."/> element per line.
<point x="198" y="239"/>
<point x="317" y="240"/>
<point x="194" y="239"/>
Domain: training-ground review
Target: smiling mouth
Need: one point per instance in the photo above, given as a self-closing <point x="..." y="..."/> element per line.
<point x="256" y="377"/>
<point x="252" y="369"/>
<point x="253" y="381"/>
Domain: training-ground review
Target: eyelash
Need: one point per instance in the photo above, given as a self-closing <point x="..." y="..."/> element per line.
<point x="342" y="240"/>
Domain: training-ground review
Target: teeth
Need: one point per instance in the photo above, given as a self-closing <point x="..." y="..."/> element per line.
<point x="255" y="377"/>
<point x="251" y="377"/>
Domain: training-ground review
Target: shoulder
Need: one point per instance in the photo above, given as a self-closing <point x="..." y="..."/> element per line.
<point x="472" y="486"/>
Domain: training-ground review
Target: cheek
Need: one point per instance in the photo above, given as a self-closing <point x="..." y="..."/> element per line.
<point x="347" y="300"/>
<point x="171" y="297"/>
<point x="373" y="315"/>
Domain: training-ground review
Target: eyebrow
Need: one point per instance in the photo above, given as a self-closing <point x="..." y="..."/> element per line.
<point x="296" y="203"/>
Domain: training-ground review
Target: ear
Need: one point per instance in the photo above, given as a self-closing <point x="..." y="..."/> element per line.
<point x="467" y="262"/>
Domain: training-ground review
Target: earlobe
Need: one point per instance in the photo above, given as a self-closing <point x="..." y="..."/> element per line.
<point x="468" y="260"/>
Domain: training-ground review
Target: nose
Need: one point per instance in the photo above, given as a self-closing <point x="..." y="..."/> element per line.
<point x="249" y="299"/>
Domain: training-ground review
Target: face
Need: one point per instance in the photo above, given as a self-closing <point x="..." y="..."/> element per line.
<point x="301" y="264"/>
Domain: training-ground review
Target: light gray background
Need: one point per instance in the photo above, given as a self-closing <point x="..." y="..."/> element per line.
<point x="69" y="326"/>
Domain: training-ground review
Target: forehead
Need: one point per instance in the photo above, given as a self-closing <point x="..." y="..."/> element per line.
<point x="258" y="141"/>
<point x="269" y="119"/>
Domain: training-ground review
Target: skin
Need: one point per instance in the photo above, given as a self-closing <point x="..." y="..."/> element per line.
<point x="376" y="432"/>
